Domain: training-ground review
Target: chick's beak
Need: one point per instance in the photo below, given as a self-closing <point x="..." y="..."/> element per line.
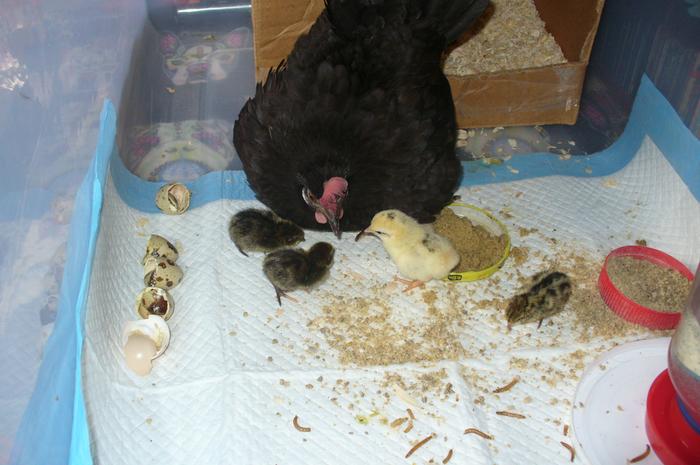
<point x="365" y="232"/>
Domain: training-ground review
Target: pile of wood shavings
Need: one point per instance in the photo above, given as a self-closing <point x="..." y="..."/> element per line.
<point x="366" y="330"/>
<point x="661" y="289"/>
<point x="478" y="248"/>
<point x="514" y="37"/>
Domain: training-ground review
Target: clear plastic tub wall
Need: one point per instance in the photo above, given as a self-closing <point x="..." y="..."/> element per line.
<point x="179" y="72"/>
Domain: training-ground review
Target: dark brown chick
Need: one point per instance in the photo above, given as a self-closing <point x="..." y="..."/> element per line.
<point x="254" y="230"/>
<point x="546" y="297"/>
<point x="292" y="269"/>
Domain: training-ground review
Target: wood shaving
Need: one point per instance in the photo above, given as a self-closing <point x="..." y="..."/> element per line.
<point x="514" y="37"/>
<point x="570" y="448"/>
<point x="641" y="456"/>
<point x="505" y="413"/>
<point x="303" y="429"/>
<point x="418" y="445"/>
<point x="478" y="432"/>
<point x="507" y="387"/>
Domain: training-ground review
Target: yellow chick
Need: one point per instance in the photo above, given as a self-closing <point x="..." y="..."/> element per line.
<point x="418" y="252"/>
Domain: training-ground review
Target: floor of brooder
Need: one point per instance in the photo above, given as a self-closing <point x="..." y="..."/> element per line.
<point x="239" y="368"/>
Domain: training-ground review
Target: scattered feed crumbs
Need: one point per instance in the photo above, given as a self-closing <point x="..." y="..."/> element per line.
<point x="419" y="385"/>
<point x="514" y="37"/>
<point x="519" y="255"/>
<point x="653" y="286"/>
<point x="367" y="331"/>
<point x="592" y="318"/>
<point x="478" y="248"/>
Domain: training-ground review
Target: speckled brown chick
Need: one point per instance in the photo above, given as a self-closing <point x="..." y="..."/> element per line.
<point x="292" y="269"/>
<point x="546" y="297"/>
<point x="254" y="230"/>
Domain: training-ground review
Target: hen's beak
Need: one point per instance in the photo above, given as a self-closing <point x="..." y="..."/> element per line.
<point x="331" y="218"/>
<point x="333" y="221"/>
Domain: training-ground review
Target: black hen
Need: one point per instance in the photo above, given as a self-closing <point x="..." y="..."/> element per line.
<point x="360" y="118"/>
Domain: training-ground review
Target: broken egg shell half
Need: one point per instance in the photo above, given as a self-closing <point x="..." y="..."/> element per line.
<point x="162" y="273"/>
<point x="173" y="198"/>
<point x="143" y="341"/>
<point x="154" y="301"/>
<point x="160" y="247"/>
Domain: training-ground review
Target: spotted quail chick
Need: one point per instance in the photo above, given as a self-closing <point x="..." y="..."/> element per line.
<point x="292" y="269"/>
<point x="254" y="230"/>
<point x="546" y="297"/>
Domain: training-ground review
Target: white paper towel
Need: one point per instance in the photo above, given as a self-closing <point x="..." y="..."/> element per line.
<point x="238" y="369"/>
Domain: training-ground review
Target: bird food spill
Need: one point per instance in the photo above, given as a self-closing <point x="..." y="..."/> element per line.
<point x="478" y="432"/>
<point x="419" y="445"/>
<point x="507" y="387"/>
<point x="398" y="422"/>
<point x="303" y="429"/>
<point x="505" y="413"/>
<point x="653" y="286"/>
<point x="641" y="456"/>
<point x="478" y="248"/>
<point x="410" y="414"/>
<point x="570" y="448"/>
<point x="448" y="457"/>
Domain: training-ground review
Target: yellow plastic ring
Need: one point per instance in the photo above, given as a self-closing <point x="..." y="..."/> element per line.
<point x="469" y="276"/>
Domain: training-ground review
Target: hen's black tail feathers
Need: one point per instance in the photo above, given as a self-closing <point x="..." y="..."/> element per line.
<point x="449" y="18"/>
<point x="454" y="17"/>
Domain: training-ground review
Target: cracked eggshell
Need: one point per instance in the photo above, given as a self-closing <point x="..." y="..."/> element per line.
<point x="153" y="327"/>
<point x="155" y="301"/>
<point x="173" y="199"/>
<point x="143" y="341"/>
<point x="162" y="273"/>
<point x="160" y="247"/>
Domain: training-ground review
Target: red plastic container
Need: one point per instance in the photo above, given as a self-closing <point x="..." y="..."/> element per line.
<point x="674" y="441"/>
<point x="627" y="308"/>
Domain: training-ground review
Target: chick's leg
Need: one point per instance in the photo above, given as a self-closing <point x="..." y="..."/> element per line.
<point x="410" y="284"/>
<point x="280" y="293"/>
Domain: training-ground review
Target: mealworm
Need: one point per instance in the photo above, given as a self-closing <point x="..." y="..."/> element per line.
<point x="303" y="429"/>
<point x="410" y="414"/>
<point x="507" y="387"/>
<point x="566" y="430"/>
<point x="419" y="445"/>
<point x="641" y="456"/>
<point x="409" y="427"/>
<point x="478" y="432"/>
<point x="571" y="450"/>
<point x="510" y="414"/>
<point x="448" y="457"/>
<point x="398" y="422"/>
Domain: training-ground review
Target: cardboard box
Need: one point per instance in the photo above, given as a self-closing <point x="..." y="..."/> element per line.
<point x="545" y="95"/>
